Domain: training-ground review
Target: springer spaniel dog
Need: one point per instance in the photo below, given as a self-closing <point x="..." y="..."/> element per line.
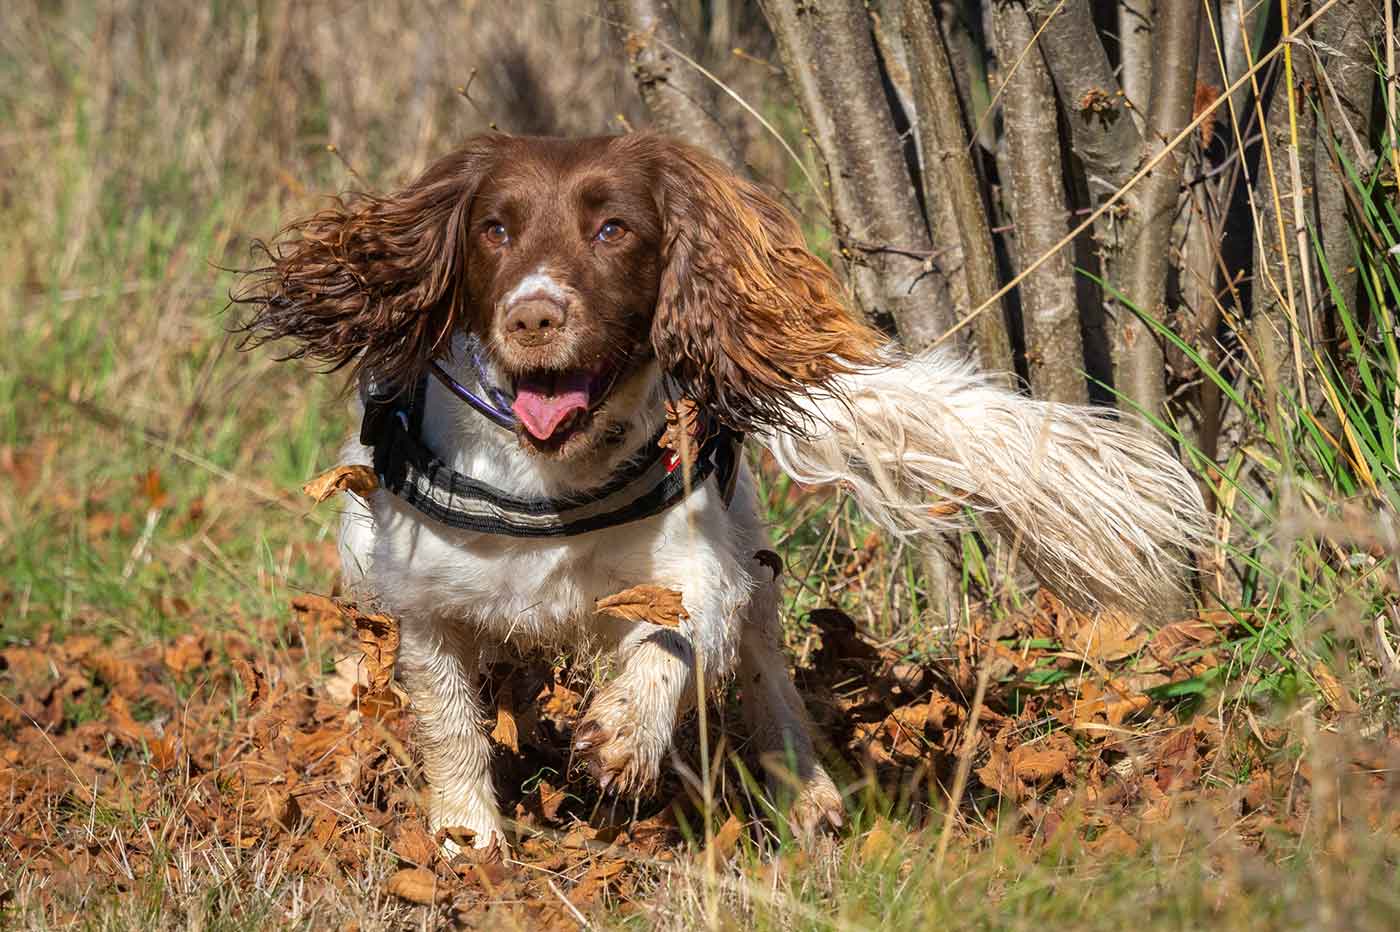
<point x="523" y="316"/>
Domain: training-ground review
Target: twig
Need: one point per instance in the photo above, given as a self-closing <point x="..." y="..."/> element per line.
<point x="573" y="910"/>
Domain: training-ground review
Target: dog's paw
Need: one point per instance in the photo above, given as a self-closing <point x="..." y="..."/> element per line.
<point x="467" y="827"/>
<point x="621" y="757"/>
<point x="818" y="809"/>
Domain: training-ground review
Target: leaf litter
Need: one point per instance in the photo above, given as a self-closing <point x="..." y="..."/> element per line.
<point x="214" y="742"/>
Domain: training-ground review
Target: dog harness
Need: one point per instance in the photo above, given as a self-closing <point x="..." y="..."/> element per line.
<point x="645" y="485"/>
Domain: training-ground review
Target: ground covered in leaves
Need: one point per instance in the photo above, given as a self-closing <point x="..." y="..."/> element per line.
<point x="278" y="761"/>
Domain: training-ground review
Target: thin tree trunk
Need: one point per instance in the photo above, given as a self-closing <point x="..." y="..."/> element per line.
<point x="1279" y="299"/>
<point x="1136" y="19"/>
<point x="949" y="173"/>
<point x="1106" y="139"/>
<point x="1345" y="80"/>
<point x="1139" y="371"/>
<point x="1035" y="194"/>
<point x="829" y="56"/>
<point x="681" y="101"/>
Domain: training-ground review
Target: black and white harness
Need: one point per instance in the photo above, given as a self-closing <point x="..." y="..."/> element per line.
<point x="647" y="484"/>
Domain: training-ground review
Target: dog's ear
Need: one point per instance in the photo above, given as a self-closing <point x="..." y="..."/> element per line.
<point x="746" y="316"/>
<point x="375" y="282"/>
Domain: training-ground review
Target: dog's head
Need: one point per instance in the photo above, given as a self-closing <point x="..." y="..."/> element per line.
<point x="577" y="263"/>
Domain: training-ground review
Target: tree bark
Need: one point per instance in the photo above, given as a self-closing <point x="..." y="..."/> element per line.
<point x="1278" y="297"/>
<point x="829" y="57"/>
<point x="1139" y="367"/>
<point x="1136" y="20"/>
<point x="949" y="173"/>
<point x="1105" y="138"/>
<point x="682" y="102"/>
<point x="1035" y="194"/>
<point x="1345" y="80"/>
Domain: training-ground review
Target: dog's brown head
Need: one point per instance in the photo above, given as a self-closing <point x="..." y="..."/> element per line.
<point x="575" y="262"/>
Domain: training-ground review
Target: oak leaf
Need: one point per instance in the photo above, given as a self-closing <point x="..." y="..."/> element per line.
<point x="656" y="604"/>
<point x="356" y="478"/>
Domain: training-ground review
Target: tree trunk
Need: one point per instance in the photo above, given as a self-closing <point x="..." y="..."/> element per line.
<point x="1135" y="27"/>
<point x="1035" y="195"/>
<point x="681" y="100"/>
<point x="949" y="173"/>
<point x="829" y="57"/>
<point x="1139" y="368"/>
<point x="1345" y="78"/>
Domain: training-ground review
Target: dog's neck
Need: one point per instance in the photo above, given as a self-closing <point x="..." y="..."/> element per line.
<point x="469" y="443"/>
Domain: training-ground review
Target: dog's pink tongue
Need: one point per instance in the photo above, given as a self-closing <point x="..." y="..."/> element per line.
<point x="543" y="402"/>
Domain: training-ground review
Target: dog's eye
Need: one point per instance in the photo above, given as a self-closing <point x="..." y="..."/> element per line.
<point x="611" y="232"/>
<point x="495" y="232"/>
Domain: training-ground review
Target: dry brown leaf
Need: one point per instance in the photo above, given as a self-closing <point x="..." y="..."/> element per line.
<point x="185" y="654"/>
<point x="878" y="842"/>
<point x="253" y="680"/>
<point x="417" y="885"/>
<point x="598" y="878"/>
<point x="507" y="732"/>
<point x="358" y="479"/>
<point x="655" y="604"/>
<point x="415" y="845"/>
<point x="682" y="421"/>
<point x="121" y="721"/>
<point x="726" y="840"/>
<point x="1332" y="691"/>
<point x="1102" y="638"/>
<point x="379" y="642"/>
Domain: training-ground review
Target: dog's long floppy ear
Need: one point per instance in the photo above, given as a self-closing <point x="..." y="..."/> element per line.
<point x="747" y="317"/>
<point x="373" y="281"/>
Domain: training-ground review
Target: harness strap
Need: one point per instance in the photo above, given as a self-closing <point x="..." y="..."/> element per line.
<point x="645" y="486"/>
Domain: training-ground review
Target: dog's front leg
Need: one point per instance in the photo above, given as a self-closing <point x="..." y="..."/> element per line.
<point x="627" y="729"/>
<point x="439" y="665"/>
<point x="778" y="723"/>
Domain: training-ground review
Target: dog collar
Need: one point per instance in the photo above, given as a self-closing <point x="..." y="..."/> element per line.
<point x="646" y="485"/>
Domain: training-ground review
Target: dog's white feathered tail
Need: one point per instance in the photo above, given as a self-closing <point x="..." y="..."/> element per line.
<point x="1103" y="514"/>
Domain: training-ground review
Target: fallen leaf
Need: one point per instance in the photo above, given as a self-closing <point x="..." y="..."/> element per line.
<point x="682" y="432"/>
<point x="185" y="654"/>
<point x="417" y="885"/>
<point x="152" y="489"/>
<point x="507" y="732"/>
<point x="379" y="642"/>
<point x="253" y="680"/>
<point x="878" y="842"/>
<point x="357" y="479"/>
<point x="726" y="840"/>
<point x="655" y="604"/>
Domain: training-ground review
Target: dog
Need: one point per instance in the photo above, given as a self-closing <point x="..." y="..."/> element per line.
<point x="524" y="316"/>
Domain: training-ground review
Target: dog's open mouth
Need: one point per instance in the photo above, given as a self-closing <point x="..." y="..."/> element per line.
<point x="552" y="405"/>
